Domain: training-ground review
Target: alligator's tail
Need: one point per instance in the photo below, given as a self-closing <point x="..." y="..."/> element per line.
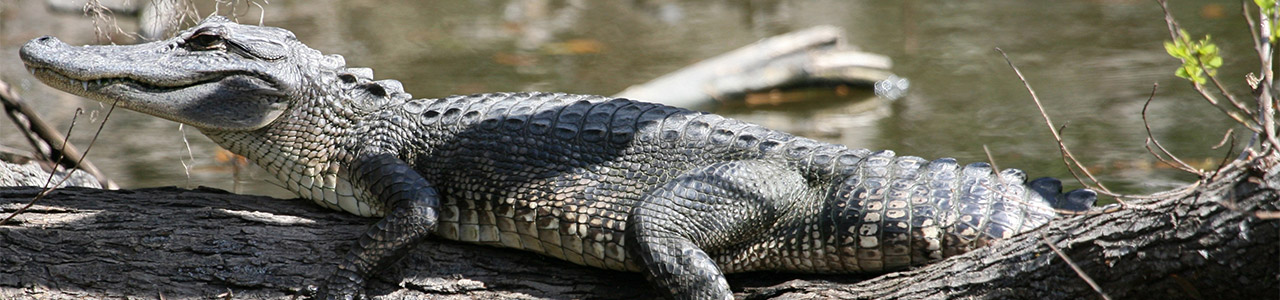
<point x="1051" y="189"/>
<point x="987" y="208"/>
<point x="906" y="211"/>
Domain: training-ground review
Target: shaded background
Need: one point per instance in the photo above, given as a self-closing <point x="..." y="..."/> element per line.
<point x="1092" y="62"/>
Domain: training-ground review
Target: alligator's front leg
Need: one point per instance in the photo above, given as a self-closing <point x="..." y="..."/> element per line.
<point x="413" y="205"/>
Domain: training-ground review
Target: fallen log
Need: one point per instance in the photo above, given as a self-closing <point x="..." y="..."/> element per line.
<point x="178" y="243"/>
<point x="1219" y="240"/>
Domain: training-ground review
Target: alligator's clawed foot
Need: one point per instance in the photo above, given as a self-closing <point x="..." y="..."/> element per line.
<point x="320" y="293"/>
<point x="337" y="288"/>
<point x="309" y="292"/>
<point x="1050" y="188"/>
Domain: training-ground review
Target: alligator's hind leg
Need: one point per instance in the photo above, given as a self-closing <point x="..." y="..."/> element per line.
<point x="677" y="224"/>
<point x="413" y="205"/>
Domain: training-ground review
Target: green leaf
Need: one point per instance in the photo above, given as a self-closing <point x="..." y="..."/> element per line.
<point x="1274" y="31"/>
<point x="1267" y="6"/>
<point x="1214" y="62"/>
<point x="1171" y="48"/>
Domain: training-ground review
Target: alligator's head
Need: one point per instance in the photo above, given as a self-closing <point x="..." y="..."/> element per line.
<point x="217" y="76"/>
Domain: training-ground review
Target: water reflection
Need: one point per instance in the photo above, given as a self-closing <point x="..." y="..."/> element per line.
<point x="1093" y="62"/>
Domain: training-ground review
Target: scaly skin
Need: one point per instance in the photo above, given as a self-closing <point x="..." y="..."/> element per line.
<point x="680" y="195"/>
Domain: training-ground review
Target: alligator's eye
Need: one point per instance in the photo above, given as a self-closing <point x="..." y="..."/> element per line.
<point x="206" y="41"/>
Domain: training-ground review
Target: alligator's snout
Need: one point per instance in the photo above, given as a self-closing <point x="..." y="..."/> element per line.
<point x="36" y="50"/>
<point x="207" y="88"/>
<point x="43" y="43"/>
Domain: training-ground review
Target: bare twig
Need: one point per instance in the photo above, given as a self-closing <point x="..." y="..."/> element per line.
<point x="991" y="159"/>
<point x="1067" y="158"/>
<point x="1226" y="159"/>
<point x="1265" y="53"/>
<point x="1234" y="115"/>
<point x="236" y="11"/>
<point x="1223" y="90"/>
<point x="43" y="136"/>
<point x="186" y="168"/>
<point x="1248" y="19"/>
<point x="1151" y="139"/>
<point x="47" y="187"/>
<point x="1261" y="33"/>
<point x="102" y="14"/>
<point x="50" y="188"/>
<point x="1229" y="136"/>
<point x="262" y="12"/>
<point x="1079" y="272"/>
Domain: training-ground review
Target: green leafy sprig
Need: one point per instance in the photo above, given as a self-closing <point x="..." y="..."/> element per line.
<point x="1198" y="57"/>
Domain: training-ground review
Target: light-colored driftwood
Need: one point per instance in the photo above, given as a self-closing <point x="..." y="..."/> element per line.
<point x="817" y="55"/>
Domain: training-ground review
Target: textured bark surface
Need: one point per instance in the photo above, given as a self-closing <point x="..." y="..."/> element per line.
<point x="176" y="243"/>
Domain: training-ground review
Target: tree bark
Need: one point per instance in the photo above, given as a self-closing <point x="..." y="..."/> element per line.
<point x="1219" y="241"/>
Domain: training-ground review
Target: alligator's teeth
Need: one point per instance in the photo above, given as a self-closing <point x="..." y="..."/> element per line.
<point x="84" y="85"/>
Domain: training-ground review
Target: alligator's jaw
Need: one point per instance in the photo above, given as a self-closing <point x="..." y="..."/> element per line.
<point x="168" y="101"/>
<point x="105" y="87"/>
<point x="178" y="87"/>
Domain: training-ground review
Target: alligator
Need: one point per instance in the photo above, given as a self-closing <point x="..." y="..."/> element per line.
<point x="681" y="196"/>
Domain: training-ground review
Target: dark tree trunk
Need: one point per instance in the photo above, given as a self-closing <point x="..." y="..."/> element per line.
<point x="175" y="243"/>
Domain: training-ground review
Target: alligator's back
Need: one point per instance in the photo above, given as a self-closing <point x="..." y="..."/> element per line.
<point x="559" y="174"/>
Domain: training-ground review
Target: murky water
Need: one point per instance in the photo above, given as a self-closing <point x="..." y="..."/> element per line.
<point x="1092" y="62"/>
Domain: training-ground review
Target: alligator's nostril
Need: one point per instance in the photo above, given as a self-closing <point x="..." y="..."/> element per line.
<point x="46" y="39"/>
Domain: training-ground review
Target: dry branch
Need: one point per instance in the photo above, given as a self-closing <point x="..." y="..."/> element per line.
<point x="201" y="243"/>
